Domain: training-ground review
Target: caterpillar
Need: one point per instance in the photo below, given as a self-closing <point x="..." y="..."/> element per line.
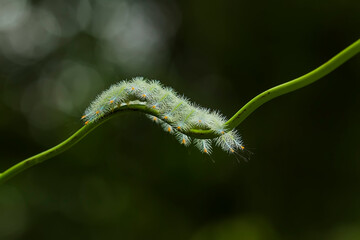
<point x="175" y="113"/>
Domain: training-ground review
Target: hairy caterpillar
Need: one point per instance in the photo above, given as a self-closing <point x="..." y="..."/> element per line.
<point x="176" y="114"/>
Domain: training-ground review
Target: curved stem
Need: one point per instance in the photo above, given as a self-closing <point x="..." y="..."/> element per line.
<point x="295" y="84"/>
<point x="21" y="166"/>
<point x="65" y="145"/>
<point x="234" y="121"/>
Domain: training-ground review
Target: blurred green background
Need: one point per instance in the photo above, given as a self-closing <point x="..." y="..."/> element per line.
<point x="130" y="180"/>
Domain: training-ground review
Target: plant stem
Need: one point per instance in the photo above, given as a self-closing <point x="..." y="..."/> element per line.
<point x="295" y="84"/>
<point x="234" y="121"/>
<point x="65" y="145"/>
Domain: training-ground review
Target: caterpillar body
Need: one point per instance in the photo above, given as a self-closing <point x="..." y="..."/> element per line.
<point x="175" y="113"/>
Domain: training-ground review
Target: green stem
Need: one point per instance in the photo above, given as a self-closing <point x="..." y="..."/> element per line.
<point x="295" y="84"/>
<point x="234" y="121"/>
<point x="68" y="143"/>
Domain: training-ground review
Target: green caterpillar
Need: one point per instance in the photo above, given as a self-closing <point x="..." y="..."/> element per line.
<point x="176" y="114"/>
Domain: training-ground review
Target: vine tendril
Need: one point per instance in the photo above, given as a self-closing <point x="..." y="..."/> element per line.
<point x="232" y="123"/>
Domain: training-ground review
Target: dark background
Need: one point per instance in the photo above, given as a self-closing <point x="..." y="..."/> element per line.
<point x="130" y="180"/>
